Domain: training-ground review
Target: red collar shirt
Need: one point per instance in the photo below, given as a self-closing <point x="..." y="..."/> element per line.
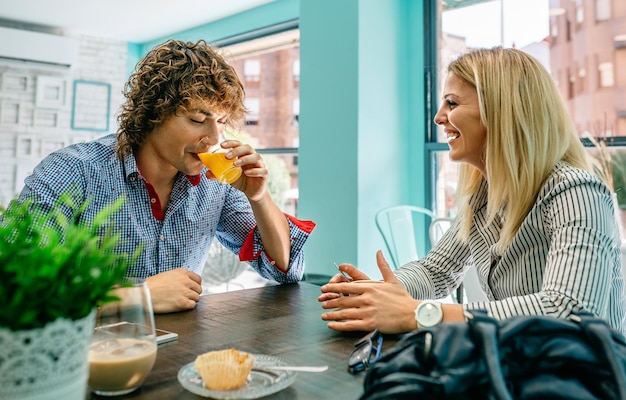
<point x="199" y="210"/>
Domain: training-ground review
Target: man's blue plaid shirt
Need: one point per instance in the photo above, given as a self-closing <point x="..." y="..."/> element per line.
<point x="199" y="209"/>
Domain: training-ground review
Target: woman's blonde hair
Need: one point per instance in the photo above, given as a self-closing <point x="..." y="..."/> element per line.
<point x="528" y="132"/>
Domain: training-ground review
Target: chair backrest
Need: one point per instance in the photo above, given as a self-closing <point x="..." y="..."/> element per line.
<point x="470" y="290"/>
<point x="398" y="226"/>
<point x="438" y="226"/>
<point x="221" y="267"/>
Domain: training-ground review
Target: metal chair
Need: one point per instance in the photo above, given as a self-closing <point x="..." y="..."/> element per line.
<point x="438" y="226"/>
<point x="221" y="267"/>
<point x="397" y="225"/>
<point x="470" y="289"/>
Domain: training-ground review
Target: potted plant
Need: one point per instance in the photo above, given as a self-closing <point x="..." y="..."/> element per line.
<point x="54" y="273"/>
<point x="609" y="164"/>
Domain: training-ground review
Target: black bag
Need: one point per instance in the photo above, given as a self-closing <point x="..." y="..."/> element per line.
<point x="520" y="358"/>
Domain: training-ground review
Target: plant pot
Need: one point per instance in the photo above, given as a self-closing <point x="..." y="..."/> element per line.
<point x="46" y="363"/>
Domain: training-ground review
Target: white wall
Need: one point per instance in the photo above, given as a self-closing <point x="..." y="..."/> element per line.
<point x="37" y="104"/>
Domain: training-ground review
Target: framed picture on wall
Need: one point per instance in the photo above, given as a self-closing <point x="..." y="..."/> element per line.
<point x="7" y="148"/>
<point x="22" y="171"/>
<point x="10" y="112"/>
<point x="79" y="138"/>
<point x="46" y="118"/>
<point x="91" y="106"/>
<point x="25" y="146"/>
<point x="14" y="83"/>
<point x="50" y="92"/>
<point x="48" y="145"/>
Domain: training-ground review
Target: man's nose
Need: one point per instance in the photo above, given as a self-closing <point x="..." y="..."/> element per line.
<point x="212" y="137"/>
<point x="213" y="133"/>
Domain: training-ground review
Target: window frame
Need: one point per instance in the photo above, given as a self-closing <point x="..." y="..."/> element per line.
<point x="257" y="34"/>
<point x="432" y="16"/>
<point x="289" y="206"/>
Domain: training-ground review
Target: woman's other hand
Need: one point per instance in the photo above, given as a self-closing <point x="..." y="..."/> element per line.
<point x="365" y="307"/>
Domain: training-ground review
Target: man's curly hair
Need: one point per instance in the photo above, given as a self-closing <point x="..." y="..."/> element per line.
<point x="172" y="77"/>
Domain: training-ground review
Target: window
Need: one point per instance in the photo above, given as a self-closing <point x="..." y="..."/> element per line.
<point x="295" y="107"/>
<point x="254" y="107"/>
<point x="273" y="102"/>
<point x="580" y="87"/>
<point x="252" y="71"/>
<point x="580" y="14"/>
<point x="603" y="10"/>
<point x="605" y="72"/>
<point x="568" y="32"/>
<point x="554" y="30"/>
<point x="520" y="23"/>
<point x="571" y="83"/>
<point x="526" y="24"/>
<point x="556" y="16"/>
<point x="295" y="70"/>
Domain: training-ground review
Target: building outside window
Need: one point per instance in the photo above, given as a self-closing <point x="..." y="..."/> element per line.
<point x="605" y="70"/>
<point x="253" y="105"/>
<point x="542" y="28"/>
<point x="252" y="71"/>
<point x="271" y="67"/>
<point x="295" y="106"/>
<point x="295" y="71"/>
<point x="269" y="64"/>
<point x="603" y="10"/>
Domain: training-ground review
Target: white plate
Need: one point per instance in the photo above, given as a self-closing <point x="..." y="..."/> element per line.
<point x="260" y="383"/>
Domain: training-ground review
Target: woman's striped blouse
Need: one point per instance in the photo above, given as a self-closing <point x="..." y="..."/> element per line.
<point x="564" y="258"/>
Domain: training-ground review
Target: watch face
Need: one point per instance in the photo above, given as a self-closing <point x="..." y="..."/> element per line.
<point x="428" y="314"/>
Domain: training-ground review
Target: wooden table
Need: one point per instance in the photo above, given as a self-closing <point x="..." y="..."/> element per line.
<point x="279" y="320"/>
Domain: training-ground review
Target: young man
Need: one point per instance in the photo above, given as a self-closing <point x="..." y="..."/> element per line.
<point x="179" y="100"/>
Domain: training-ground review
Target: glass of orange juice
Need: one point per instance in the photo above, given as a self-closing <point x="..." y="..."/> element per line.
<point x="223" y="169"/>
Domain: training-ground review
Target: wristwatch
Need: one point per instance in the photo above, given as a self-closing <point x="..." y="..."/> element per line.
<point x="428" y="314"/>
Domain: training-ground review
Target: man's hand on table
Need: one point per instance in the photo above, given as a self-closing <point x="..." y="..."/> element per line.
<point x="175" y="290"/>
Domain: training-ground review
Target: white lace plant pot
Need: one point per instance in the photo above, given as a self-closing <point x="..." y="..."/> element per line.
<point x="46" y="363"/>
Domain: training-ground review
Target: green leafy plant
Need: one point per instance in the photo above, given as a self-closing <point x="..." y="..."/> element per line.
<point x="52" y="267"/>
<point x="610" y="165"/>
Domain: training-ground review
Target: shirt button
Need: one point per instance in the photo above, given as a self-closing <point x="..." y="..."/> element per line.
<point x="153" y="200"/>
<point x="132" y="179"/>
<point x="162" y="237"/>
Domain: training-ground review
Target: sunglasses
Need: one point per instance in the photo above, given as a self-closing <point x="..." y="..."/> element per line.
<point x="367" y="351"/>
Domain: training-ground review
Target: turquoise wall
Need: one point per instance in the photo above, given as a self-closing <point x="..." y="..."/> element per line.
<point x="361" y="130"/>
<point x="361" y="116"/>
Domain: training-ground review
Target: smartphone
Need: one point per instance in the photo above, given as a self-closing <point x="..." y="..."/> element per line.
<point x="165" y="336"/>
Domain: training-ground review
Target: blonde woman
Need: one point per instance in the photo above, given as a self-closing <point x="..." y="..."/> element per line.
<point x="534" y="220"/>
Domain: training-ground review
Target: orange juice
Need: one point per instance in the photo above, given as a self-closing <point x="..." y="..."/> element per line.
<point x="223" y="169"/>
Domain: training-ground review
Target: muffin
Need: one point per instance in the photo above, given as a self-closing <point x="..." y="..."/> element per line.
<point x="224" y="369"/>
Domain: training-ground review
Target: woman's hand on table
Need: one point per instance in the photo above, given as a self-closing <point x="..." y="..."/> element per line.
<point x="353" y="274"/>
<point x="365" y="307"/>
<point x="175" y="290"/>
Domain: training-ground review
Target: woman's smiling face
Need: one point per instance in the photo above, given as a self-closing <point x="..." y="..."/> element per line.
<point x="459" y="115"/>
